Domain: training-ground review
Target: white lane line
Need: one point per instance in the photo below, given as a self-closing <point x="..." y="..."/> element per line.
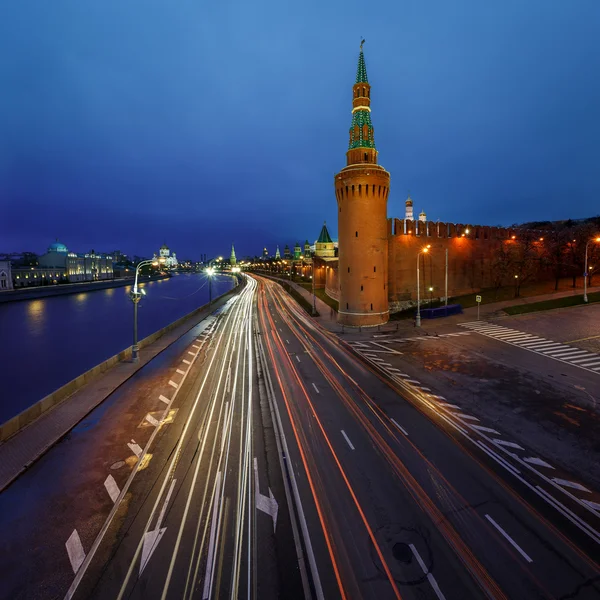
<point x="187" y="362"/>
<point x="571" y="484"/>
<point x="512" y="542"/>
<point x="297" y="358"/>
<point x="135" y="448"/>
<point x="413" y="381"/>
<point x="316" y="388"/>
<point x="533" y="460"/>
<point x="467" y="417"/>
<point x="593" y="505"/>
<point x="448" y="405"/>
<point x="163" y="399"/>
<point x="540" y="344"/>
<point x="75" y="551"/>
<point x="152" y="420"/>
<point x="399" y="427"/>
<point x="566" y="355"/>
<point x="287" y="341"/>
<point x="194" y="346"/>
<point x="587" y="362"/>
<point x="173" y="384"/>
<point x="347" y="439"/>
<point x="486" y="429"/>
<point x="438" y="397"/>
<point x="596" y="369"/>
<point x="394" y="369"/>
<point x="191" y="353"/>
<point x="430" y="577"/>
<point x="425" y="389"/>
<point x="508" y="444"/>
<point x="180" y="372"/>
<point x="211" y="543"/>
<point x="112" y="488"/>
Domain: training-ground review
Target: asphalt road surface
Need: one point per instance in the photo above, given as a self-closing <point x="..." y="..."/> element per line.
<point x="401" y="499"/>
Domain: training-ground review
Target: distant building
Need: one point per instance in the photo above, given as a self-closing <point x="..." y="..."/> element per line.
<point x="265" y="252"/>
<point x="287" y="252"/>
<point x="408" y="215"/>
<point x="5" y="276"/>
<point x="59" y="265"/>
<point x="307" y="251"/>
<point x="423" y="217"/>
<point x="232" y="259"/>
<point x="277" y="253"/>
<point x="170" y="257"/>
<point x="325" y="247"/>
<point x="297" y="251"/>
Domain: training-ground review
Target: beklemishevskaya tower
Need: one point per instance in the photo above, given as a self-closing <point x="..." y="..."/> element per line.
<point x="362" y="189"/>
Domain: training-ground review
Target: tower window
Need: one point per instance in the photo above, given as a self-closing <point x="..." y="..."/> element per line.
<point x="359" y="188"/>
<point x="346" y="306"/>
<point x="353" y="189"/>
<point x="361" y="288"/>
<point x="371" y="306"/>
<point x="366" y="156"/>
<point x="374" y="269"/>
<point x="356" y="234"/>
<point x="348" y="269"/>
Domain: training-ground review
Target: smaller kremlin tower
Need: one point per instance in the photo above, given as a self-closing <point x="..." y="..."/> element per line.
<point x="409" y="216"/>
<point x="232" y="259"/>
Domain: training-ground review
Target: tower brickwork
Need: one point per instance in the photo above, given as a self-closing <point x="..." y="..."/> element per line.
<point x="362" y="189"/>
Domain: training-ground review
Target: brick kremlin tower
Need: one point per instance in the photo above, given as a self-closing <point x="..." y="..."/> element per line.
<point x="362" y="189"/>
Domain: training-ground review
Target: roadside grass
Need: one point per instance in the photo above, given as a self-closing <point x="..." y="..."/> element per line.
<point x="320" y="293"/>
<point x="550" y="304"/>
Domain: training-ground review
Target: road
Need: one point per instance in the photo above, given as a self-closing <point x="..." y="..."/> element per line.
<point x="402" y="495"/>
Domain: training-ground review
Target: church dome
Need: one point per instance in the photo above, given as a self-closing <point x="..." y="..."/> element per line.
<point x="409" y="202"/>
<point x="57" y="247"/>
<point x="164" y="247"/>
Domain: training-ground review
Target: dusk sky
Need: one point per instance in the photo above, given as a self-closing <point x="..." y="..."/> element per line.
<point x="128" y="123"/>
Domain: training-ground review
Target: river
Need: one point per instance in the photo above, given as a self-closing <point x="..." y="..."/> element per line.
<point x="47" y="342"/>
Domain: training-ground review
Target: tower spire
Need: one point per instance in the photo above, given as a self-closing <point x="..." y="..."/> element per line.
<point x="232" y="258"/>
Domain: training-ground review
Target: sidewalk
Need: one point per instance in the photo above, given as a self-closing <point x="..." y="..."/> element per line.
<point x="328" y="317"/>
<point x="21" y="450"/>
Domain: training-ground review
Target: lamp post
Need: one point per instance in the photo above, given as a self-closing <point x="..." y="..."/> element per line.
<point x="585" y="274"/>
<point x="136" y="295"/>
<point x="418" y="318"/>
<point x="210" y="272"/>
<point x="446" y="299"/>
<point x="314" y="308"/>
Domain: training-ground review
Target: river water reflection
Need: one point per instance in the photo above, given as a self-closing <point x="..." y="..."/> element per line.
<point x="47" y="342"/>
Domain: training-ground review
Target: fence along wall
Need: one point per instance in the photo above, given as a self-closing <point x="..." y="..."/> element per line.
<point x="471" y="253"/>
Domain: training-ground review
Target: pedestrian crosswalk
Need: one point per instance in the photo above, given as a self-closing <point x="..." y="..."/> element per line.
<point x="564" y="352"/>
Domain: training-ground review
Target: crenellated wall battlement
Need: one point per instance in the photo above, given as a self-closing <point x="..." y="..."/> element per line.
<point x="439" y="229"/>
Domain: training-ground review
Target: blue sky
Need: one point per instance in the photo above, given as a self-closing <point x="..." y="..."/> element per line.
<point x="126" y="123"/>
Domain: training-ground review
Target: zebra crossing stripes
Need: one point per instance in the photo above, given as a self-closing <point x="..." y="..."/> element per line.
<point x="563" y="352"/>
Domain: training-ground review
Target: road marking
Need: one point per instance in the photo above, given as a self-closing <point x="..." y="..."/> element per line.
<point x="413" y="381"/>
<point x="347" y="439"/>
<point x="430" y="577"/>
<point x="194" y="346"/>
<point x="532" y="460"/>
<point x="187" y="362"/>
<point x="571" y="484"/>
<point x="152" y="420"/>
<point x="593" y="505"/>
<point x="297" y="358"/>
<point x="438" y="397"/>
<point x="486" y="429"/>
<point x="425" y="389"/>
<point x="448" y="405"/>
<point x="211" y="543"/>
<point x="514" y="544"/>
<point x="180" y="372"/>
<point x="287" y="341"/>
<point x="163" y="399"/>
<point x="112" y="488"/>
<point x="400" y="428"/>
<point x="468" y="417"/>
<point x="508" y="444"/>
<point x="135" y="448"/>
<point x="151" y="538"/>
<point x="316" y="388"/>
<point x="75" y="551"/>
<point x="587" y="362"/>
<point x="191" y="353"/>
<point x="173" y="384"/>
<point x="267" y="504"/>
<point x="565" y="353"/>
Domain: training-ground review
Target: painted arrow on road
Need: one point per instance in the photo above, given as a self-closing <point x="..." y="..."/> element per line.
<point x="267" y="504"/>
<point x="151" y="538"/>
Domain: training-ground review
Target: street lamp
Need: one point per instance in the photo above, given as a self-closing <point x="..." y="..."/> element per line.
<point x="210" y="271"/>
<point x="585" y="274"/>
<point x="136" y="295"/>
<point x="418" y="319"/>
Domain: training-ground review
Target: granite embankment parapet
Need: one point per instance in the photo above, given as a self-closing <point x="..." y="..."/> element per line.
<point x="24" y="438"/>
<point x="32" y="293"/>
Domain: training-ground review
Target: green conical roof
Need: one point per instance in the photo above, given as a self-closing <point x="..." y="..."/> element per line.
<point x="324" y="237"/>
<point x="361" y="71"/>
